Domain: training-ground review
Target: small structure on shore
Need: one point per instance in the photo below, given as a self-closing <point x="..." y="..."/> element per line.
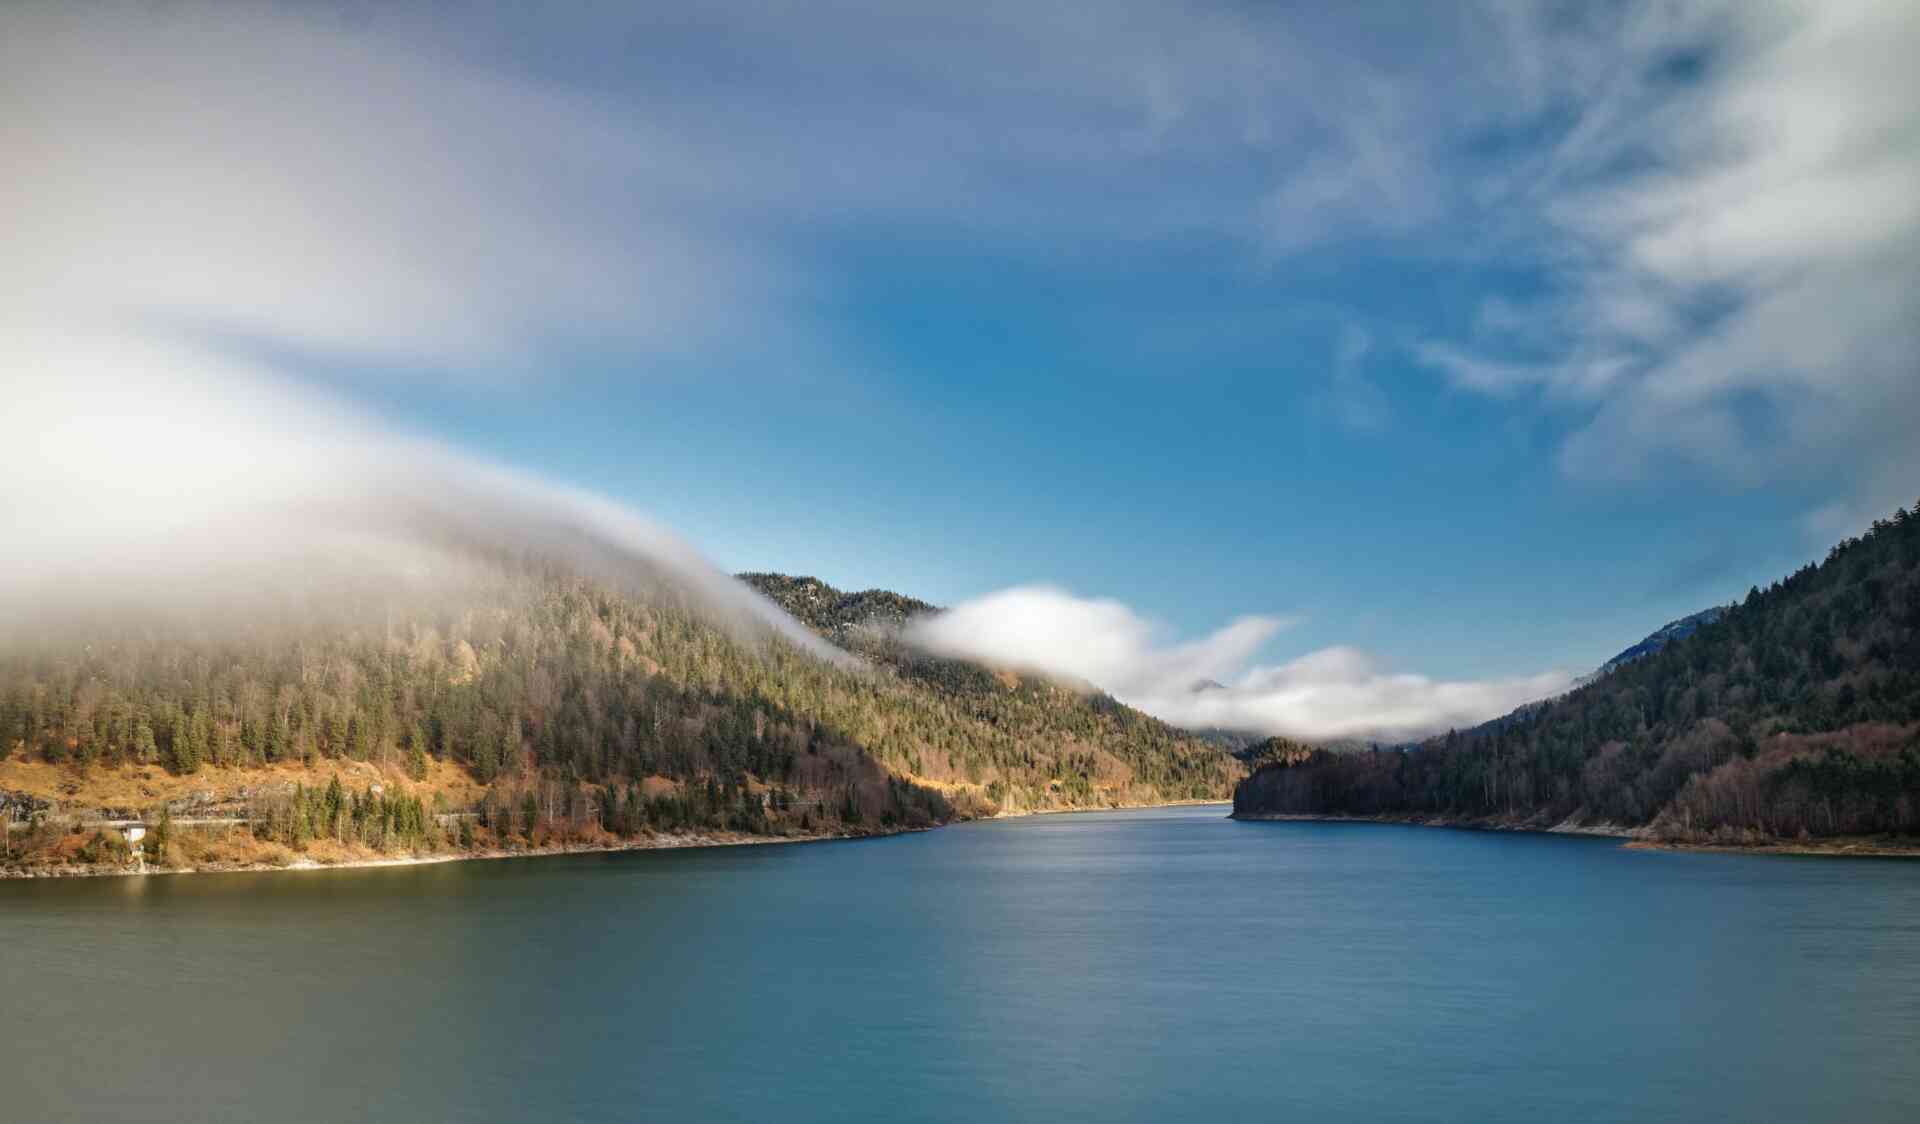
<point x="134" y="833"/>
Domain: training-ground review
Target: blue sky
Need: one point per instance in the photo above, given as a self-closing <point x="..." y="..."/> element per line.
<point x="983" y="444"/>
<point x="1479" y="340"/>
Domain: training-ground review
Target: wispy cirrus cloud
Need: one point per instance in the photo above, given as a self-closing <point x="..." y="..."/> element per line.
<point x="193" y="172"/>
<point x="1729" y="222"/>
<point x="409" y="196"/>
<point x="1357" y="402"/>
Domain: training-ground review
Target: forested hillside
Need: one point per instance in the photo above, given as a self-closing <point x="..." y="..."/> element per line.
<point x="860" y="620"/>
<point x="1034" y="742"/>
<point x="548" y="705"/>
<point x="1796" y="712"/>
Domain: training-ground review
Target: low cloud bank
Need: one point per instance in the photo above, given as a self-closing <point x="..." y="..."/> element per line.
<point x="149" y="476"/>
<point x="205" y="200"/>
<point x="1337" y="692"/>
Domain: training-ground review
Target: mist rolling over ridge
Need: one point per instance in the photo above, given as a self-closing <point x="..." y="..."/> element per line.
<point x="198" y="489"/>
<point x="1334" y="693"/>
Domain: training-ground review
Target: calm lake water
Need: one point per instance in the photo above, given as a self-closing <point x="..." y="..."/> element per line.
<point x="1130" y="966"/>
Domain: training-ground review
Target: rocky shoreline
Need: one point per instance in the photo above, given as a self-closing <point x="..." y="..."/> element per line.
<point x="1463" y="823"/>
<point x="1634" y="838"/>
<point x="660" y="842"/>
<point x="1023" y="812"/>
<point x="653" y="842"/>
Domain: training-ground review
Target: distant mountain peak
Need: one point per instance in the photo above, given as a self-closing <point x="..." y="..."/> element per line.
<point x="1661" y="637"/>
<point x="834" y="613"/>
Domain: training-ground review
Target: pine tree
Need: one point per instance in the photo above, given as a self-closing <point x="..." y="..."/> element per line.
<point x="334" y="802"/>
<point x="303" y="829"/>
<point x="160" y="838"/>
<point x="416" y="754"/>
<point x="220" y="747"/>
<point x="186" y="750"/>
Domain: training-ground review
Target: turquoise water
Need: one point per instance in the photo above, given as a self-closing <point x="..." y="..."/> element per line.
<point x="1153" y="965"/>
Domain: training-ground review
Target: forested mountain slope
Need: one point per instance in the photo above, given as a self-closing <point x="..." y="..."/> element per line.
<point x="554" y="705"/>
<point x="851" y="620"/>
<point x="1796" y="711"/>
<point x="1661" y="637"/>
<point x="1033" y="742"/>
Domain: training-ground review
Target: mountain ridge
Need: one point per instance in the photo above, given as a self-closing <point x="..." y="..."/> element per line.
<point x="534" y="707"/>
<point x="1661" y="637"/>
<point x="869" y="624"/>
<point x="1795" y="711"/>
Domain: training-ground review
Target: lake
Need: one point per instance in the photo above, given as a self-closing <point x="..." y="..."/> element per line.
<point x="1153" y="965"/>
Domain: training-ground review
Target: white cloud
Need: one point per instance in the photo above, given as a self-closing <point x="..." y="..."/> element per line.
<point x="1357" y="401"/>
<point x="1041" y="628"/>
<point x="1332" y="693"/>
<point x="191" y="171"/>
<point x="1345" y="693"/>
<point x="166" y="478"/>
<point x="1732" y="225"/>
<point x="1580" y="378"/>
<point x="426" y="196"/>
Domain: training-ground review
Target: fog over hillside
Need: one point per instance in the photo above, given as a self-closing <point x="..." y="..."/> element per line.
<point x="168" y="481"/>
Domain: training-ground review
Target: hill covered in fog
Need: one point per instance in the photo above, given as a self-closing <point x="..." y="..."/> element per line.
<point x="550" y="704"/>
